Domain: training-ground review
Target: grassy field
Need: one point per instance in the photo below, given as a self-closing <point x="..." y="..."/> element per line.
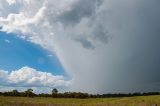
<point x="37" y="101"/>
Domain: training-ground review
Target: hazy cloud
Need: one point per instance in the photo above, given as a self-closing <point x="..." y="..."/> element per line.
<point x="7" y="41"/>
<point x="85" y="43"/>
<point x="78" y="11"/>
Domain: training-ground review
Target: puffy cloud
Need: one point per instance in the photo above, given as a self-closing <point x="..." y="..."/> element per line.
<point x="104" y="45"/>
<point x="29" y="77"/>
<point x="68" y="17"/>
<point x="10" y="2"/>
<point x="20" y="23"/>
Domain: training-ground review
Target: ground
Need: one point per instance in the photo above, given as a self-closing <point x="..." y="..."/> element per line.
<point x="40" y="101"/>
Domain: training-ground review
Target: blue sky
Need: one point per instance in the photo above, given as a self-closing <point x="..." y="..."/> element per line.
<point x="16" y="53"/>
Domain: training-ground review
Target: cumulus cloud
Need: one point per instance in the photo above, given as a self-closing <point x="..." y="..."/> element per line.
<point x="104" y="45"/>
<point x="29" y="77"/>
<point x="20" y="23"/>
<point x="68" y="17"/>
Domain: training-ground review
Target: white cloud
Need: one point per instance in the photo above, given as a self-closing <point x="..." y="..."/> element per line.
<point x="10" y="2"/>
<point x="29" y="77"/>
<point x="21" y="23"/>
<point x="56" y="17"/>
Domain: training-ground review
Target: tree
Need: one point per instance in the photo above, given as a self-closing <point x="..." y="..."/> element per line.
<point x="15" y="93"/>
<point x="54" y="91"/>
<point x="29" y="92"/>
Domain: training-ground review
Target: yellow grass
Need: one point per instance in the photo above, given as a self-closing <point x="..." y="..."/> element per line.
<point x="38" y="101"/>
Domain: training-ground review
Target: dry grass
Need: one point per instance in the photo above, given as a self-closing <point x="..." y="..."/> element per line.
<point x="37" y="101"/>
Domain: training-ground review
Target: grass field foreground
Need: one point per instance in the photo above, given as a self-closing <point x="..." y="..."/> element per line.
<point x="39" y="101"/>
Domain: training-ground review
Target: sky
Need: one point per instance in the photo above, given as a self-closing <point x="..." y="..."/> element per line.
<point x="16" y="52"/>
<point x="94" y="46"/>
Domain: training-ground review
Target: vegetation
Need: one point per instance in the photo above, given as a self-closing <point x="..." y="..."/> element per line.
<point x="55" y="94"/>
<point x="28" y="98"/>
<point x="54" y="91"/>
<point x="49" y="101"/>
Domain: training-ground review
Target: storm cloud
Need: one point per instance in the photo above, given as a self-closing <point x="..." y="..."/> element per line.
<point x="105" y="46"/>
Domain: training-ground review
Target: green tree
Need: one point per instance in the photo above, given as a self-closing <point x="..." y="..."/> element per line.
<point x="54" y="91"/>
<point x="29" y="92"/>
<point x="15" y="93"/>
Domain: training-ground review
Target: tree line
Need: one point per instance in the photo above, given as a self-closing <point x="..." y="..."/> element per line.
<point x="56" y="94"/>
